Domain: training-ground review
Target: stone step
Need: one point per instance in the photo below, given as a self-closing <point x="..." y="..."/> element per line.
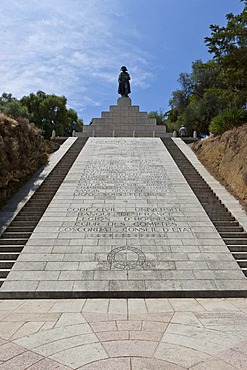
<point x="226" y="223"/>
<point x="13" y="241"/>
<point x="217" y="210"/>
<point x="48" y="185"/>
<point x="57" y="175"/>
<point x="235" y="241"/>
<point x="42" y="198"/>
<point x="212" y="205"/>
<point x="240" y="255"/>
<point x="11" y="248"/>
<point x="41" y="195"/>
<point x="229" y="229"/>
<point x="6" y="264"/>
<point x="39" y="192"/>
<point x="4" y="273"/>
<point x="24" y="218"/>
<point x="51" y="185"/>
<point x="216" y="218"/>
<point x="15" y="235"/>
<point x="8" y="256"/>
<point x="242" y="264"/>
<point x="210" y="199"/>
<point x="237" y="247"/>
<point x="29" y="212"/>
<point x="23" y="224"/>
<point x="233" y="235"/>
<point x="219" y="215"/>
<point x="203" y="190"/>
<point x="36" y="203"/>
<point x="19" y="229"/>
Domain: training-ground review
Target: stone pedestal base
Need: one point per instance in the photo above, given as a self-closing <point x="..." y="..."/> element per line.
<point x="124" y="120"/>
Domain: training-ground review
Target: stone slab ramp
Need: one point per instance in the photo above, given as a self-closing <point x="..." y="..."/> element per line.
<point x="124" y="223"/>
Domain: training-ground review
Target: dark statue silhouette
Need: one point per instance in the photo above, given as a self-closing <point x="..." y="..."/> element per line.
<point x="124" y="84"/>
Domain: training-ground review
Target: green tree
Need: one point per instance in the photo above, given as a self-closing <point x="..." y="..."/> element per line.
<point x="229" y="46"/>
<point x="49" y="112"/>
<point x="6" y="98"/>
<point x="159" y="115"/>
<point x="12" y="107"/>
<point x="205" y="76"/>
<point x="216" y="86"/>
<point x="187" y="84"/>
<point x="179" y="101"/>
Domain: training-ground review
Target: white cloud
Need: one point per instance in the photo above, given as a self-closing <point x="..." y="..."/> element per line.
<point x="72" y="48"/>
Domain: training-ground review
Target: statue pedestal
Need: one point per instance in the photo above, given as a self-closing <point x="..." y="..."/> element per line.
<point x="124" y="120"/>
<point x="124" y="102"/>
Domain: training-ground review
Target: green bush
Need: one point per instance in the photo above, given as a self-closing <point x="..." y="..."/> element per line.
<point x="227" y="120"/>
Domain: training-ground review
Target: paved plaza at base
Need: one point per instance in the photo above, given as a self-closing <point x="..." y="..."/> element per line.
<point x="125" y="220"/>
<point x="119" y="334"/>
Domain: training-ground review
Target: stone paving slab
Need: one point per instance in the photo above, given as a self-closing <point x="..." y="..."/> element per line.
<point x="125" y="222"/>
<point x="126" y="334"/>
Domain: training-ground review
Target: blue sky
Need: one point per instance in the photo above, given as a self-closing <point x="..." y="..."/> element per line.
<point x="75" y="48"/>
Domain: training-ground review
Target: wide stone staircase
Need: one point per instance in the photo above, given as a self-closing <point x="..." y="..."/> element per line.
<point x="15" y="236"/>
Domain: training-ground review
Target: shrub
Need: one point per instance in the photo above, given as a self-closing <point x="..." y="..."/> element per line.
<point x="22" y="151"/>
<point x="227" y="120"/>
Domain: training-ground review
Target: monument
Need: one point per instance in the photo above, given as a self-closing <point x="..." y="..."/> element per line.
<point x="124" y="82"/>
<point x="124" y="119"/>
<point x="125" y="221"/>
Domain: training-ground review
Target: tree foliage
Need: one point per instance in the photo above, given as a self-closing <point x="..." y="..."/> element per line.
<point x="49" y="112"/>
<point x="46" y="111"/>
<point x="215" y="86"/>
<point x="159" y="115"/>
<point x="12" y="107"/>
<point x="229" y="46"/>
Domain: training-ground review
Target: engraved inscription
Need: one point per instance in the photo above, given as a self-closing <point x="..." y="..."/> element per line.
<point x="141" y="222"/>
<point x="123" y="178"/>
<point x="125" y="170"/>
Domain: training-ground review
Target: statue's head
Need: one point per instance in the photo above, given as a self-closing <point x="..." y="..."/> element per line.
<point x="124" y="69"/>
